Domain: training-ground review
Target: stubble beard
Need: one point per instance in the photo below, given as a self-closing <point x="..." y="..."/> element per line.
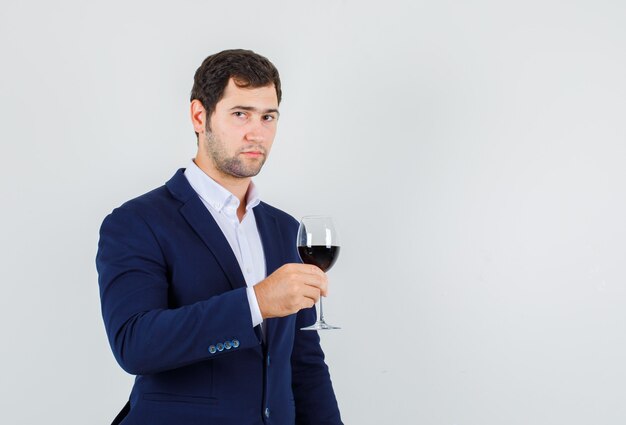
<point x="233" y="166"/>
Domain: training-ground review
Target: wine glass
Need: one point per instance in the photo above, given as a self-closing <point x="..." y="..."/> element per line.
<point x="318" y="245"/>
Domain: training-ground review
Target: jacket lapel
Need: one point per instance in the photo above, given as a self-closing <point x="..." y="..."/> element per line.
<point x="270" y="238"/>
<point x="202" y="222"/>
<point x="273" y="250"/>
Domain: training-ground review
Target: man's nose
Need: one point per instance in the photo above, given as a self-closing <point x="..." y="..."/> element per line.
<point x="255" y="133"/>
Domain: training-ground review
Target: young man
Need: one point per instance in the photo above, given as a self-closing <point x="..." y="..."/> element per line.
<point x="203" y="293"/>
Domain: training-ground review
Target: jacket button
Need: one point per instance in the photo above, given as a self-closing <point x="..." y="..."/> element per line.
<point x="228" y="345"/>
<point x="267" y="412"/>
<point x="212" y="349"/>
<point x="235" y="343"/>
<point x="220" y="346"/>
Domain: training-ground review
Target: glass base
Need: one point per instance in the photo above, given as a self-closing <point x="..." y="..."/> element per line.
<point x="320" y="325"/>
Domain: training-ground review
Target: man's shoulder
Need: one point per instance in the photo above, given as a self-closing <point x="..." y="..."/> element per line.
<point x="167" y="197"/>
<point x="152" y="201"/>
<point x="155" y="206"/>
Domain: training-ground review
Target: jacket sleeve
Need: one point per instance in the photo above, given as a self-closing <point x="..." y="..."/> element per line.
<point x="145" y="334"/>
<point x="311" y="384"/>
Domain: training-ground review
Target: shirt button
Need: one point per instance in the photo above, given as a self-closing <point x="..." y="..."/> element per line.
<point x="267" y="412"/>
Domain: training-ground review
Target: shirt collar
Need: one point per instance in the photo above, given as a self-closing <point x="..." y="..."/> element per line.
<point x="216" y="195"/>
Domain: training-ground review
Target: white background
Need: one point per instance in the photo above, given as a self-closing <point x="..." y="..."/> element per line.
<point x="472" y="153"/>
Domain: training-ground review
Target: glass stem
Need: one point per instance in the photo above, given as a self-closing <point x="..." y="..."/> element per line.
<point x="321" y="310"/>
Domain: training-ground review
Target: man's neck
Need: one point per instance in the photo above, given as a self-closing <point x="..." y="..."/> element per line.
<point x="238" y="186"/>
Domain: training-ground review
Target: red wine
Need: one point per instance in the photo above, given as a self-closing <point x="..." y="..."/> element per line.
<point x="319" y="255"/>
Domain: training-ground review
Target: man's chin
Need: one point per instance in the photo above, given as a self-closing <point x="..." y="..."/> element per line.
<point x="243" y="174"/>
<point x="241" y="169"/>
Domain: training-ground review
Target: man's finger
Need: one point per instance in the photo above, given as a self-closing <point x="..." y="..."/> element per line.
<point x="316" y="281"/>
<point x="310" y="269"/>
<point x="311" y="292"/>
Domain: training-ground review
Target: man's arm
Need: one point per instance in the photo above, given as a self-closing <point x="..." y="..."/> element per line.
<point x="145" y="334"/>
<point x="312" y="388"/>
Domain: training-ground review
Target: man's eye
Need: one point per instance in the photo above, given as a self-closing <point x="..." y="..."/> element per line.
<point x="239" y="114"/>
<point x="269" y="117"/>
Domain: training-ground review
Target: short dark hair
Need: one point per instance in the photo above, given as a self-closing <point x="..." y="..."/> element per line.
<point x="248" y="69"/>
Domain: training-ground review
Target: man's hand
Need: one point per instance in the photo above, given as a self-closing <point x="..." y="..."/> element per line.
<point x="290" y="289"/>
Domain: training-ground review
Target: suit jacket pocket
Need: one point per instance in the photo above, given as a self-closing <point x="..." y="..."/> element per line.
<point x="179" y="398"/>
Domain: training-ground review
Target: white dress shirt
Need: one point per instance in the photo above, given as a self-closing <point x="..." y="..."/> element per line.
<point x="243" y="236"/>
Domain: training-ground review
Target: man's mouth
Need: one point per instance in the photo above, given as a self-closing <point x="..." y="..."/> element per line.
<point x="253" y="153"/>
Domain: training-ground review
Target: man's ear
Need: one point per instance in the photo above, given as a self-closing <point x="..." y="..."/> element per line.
<point x="198" y="116"/>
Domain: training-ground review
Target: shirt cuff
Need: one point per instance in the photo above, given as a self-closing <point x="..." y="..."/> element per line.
<point x="255" y="311"/>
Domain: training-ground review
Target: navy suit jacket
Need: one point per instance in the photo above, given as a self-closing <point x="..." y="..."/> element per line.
<point x="176" y="314"/>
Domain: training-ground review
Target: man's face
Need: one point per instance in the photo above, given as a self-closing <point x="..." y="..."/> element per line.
<point x="241" y="130"/>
